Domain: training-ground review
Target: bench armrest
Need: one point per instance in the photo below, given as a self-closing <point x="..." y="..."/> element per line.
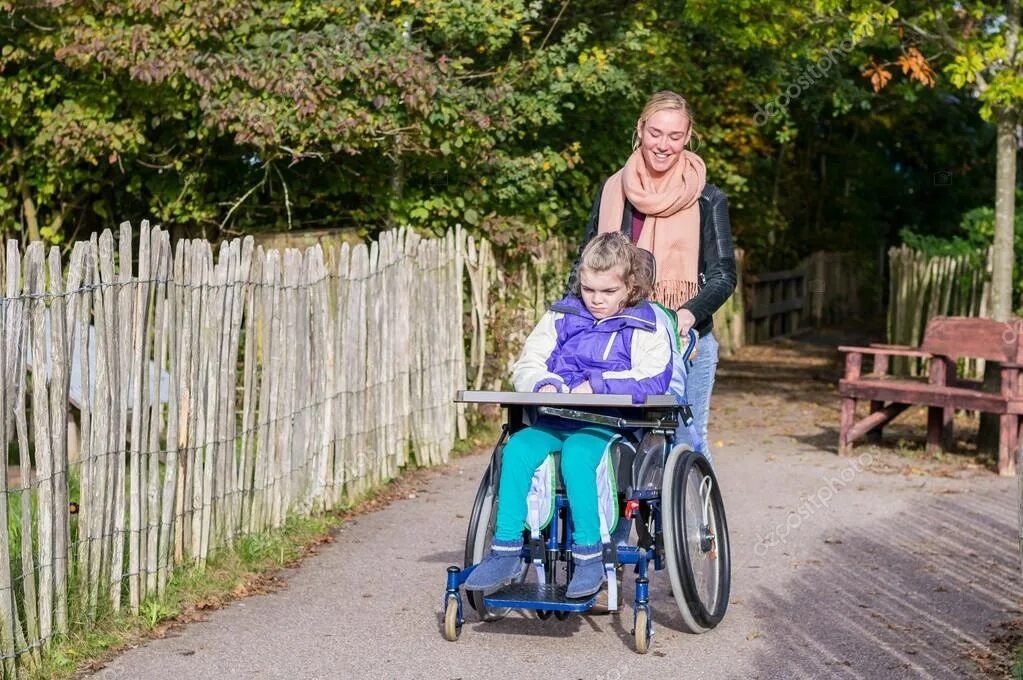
<point x="887" y="350"/>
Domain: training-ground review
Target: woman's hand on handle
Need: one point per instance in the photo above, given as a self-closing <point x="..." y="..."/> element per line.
<point x="686" y="320"/>
<point x="548" y="388"/>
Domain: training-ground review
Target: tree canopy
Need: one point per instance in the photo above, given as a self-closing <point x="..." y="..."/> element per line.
<point x="217" y="117"/>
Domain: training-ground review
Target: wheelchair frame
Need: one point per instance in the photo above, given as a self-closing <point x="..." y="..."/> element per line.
<point x="676" y="534"/>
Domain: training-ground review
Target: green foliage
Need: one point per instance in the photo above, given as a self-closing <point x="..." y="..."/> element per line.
<point x="265" y="115"/>
<point x="974" y="238"/>
<point x="216" y="118"/>
<point x="154" y="611"/>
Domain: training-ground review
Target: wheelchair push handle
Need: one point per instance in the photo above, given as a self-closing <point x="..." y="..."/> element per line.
<point x="690" y="345"/>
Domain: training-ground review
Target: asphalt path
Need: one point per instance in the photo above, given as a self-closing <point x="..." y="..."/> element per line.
<point x="875" y="566"/>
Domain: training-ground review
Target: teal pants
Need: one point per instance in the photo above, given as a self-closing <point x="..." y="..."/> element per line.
<point x="581" y="451"/>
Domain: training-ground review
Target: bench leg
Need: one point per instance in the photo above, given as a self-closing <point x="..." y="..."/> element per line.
<point x="1008" y="441"/>
<point x="874" y="436"/>
<point x="948" y="440"/>
<point x="845" y="423"/>
<point x="935" y="423"/>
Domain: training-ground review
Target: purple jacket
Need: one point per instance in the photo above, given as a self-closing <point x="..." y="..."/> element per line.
<point x="628" y="353"/>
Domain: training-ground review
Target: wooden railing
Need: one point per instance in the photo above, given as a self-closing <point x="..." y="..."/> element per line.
<point x="774" y="303"/>
<point x="823" y="289"/>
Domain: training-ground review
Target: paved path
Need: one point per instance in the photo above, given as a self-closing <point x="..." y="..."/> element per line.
<point x="870" y="567"/>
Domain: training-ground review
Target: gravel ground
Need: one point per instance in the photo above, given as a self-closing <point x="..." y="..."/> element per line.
<point x="883" y="565"/>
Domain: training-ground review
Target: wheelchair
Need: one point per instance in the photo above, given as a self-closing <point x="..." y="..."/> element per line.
<point x="666" y="487"/>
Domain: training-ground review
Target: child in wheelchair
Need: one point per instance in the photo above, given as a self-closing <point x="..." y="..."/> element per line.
<point x="605" y="338"/>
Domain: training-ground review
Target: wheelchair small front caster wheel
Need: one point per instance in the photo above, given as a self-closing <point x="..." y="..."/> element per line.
<point x="543" y="614"/>
<point x="641" y="633"/>
<point x="452" y="626"/>
<point x="561" y="616"/>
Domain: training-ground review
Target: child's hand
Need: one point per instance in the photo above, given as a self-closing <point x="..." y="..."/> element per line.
<point x="584" y="388"/>
<point x="548" y="388"/>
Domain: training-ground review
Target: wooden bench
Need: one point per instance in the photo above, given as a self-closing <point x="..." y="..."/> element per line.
<point x="946" y="340"/>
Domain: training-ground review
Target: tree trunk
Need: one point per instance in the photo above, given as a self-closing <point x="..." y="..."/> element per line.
<point x="397" y="180"/>
<point x="1002" y="257"/>
<point x="28" y="206"/>
<point x="1005" y="217"/>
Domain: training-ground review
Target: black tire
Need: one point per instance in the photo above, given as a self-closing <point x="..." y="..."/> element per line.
<point x="698" y="556"/>
<point x="477" y="541"/>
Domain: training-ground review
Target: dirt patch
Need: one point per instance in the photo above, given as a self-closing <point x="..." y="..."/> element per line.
<point x="790" y="388"/>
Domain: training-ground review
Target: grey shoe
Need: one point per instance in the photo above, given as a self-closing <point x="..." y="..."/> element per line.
<point x="500" y="567"/>
<point x="589" y="570"/>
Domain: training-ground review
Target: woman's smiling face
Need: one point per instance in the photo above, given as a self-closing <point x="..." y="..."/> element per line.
<point x="661" y="140"/>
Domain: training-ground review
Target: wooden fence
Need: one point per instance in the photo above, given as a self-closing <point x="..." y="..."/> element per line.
<point x="922" y="286"/>
<point x="222" y="394"/>
<point x="824" y="289"/>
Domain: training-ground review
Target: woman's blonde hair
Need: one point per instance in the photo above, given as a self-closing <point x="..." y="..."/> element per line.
<point x="665" y="100"/>
<point x="614" y="250"/>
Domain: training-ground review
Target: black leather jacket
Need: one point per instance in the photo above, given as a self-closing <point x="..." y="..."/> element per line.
<point x="717" y="254"/>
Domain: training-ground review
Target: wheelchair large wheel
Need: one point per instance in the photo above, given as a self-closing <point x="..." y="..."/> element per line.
<point x="695" y="539"/>
<point x="477" y="542"/>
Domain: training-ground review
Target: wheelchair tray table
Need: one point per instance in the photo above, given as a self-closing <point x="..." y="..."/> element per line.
<point x="659" y="410"/>
<point x="578" y="400"/>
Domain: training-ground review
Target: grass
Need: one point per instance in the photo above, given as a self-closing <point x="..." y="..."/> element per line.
<point x="1017" y="664"/>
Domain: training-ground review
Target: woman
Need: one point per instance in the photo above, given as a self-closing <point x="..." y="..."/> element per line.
<point x="661" y="199"/>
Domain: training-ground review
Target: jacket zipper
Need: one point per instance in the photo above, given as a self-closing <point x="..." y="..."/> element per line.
<point x="610" y="341"/>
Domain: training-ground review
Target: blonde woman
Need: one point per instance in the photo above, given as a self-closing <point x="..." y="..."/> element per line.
<point x="661" y="200"/>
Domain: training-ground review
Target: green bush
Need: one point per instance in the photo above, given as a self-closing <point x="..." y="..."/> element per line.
<point x="975" y="236"/>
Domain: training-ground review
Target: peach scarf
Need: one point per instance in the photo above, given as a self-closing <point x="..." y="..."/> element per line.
<point x="672" y="227"/>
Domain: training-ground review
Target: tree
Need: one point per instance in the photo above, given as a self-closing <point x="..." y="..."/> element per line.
<point x="976" y="45"/>
<point x="269" y="114"/>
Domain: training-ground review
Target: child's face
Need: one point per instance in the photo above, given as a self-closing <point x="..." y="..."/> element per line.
<point x="603" y="293"/>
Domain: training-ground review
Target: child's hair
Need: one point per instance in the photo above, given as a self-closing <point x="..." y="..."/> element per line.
<point x="614" y="250"/>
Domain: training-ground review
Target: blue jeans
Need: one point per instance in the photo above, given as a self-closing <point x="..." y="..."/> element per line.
<point x="699" y="385"/>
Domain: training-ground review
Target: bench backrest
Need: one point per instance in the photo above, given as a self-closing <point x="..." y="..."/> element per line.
<point x="973" y="337"/>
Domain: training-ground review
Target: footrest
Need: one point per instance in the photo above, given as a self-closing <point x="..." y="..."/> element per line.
<point x="536" y="596"/>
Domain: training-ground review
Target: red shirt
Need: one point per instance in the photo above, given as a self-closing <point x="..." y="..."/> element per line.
<point x="638" y="219"/>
